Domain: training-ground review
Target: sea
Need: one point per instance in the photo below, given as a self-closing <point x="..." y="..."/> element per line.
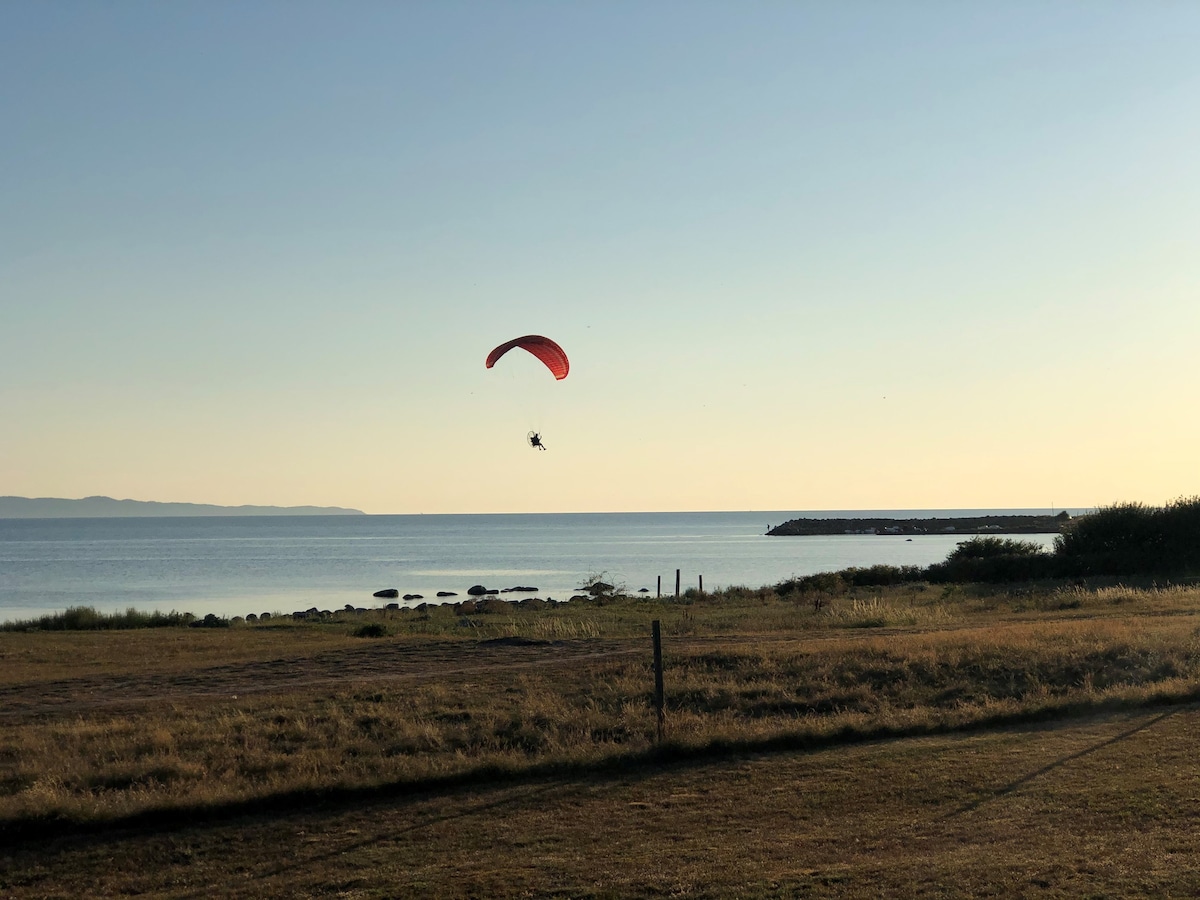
<point x="236" y="565"/>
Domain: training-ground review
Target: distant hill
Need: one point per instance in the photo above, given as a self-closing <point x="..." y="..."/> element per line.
<point x="106" y="507"/>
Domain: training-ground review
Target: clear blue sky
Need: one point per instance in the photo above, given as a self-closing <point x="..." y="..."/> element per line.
<point x="802" y="255"/>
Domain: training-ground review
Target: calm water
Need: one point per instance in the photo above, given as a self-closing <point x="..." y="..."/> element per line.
<point x="240" y="565"/>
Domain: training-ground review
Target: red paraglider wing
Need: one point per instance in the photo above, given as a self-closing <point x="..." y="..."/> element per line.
<point x="542" y="347"/>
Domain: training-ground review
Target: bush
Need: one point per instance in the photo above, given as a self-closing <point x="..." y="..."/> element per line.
<point x="880" y="575"/>
<point x="836" y="582"/>
<point x="993" y="569"/>
<point x="993" y="547"/>
<point x="1133" y="539"/>
<point x="824" y="582"/>
<point x="372" y="630"/>
<point x="88" y="618"/>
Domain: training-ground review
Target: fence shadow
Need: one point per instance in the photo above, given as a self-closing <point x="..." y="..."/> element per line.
<point x="1019" y="783"/>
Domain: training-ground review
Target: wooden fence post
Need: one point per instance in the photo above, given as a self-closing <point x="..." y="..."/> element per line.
<point x="701" y="584"/>
<point x="656" y="633"/>
<point x="676" y="584"/>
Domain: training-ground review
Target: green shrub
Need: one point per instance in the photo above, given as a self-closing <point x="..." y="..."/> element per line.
<point x="88" y="618"/>
<point x="823" y="582"/>
<point x="880" y="575"/>
<point x="993" y="547"/>
<point x="1133" y="539"/>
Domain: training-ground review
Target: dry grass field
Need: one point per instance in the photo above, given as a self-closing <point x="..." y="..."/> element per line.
<point x="912" y="741"/>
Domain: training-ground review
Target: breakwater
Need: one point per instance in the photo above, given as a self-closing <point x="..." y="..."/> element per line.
<point x="910" y="527"/>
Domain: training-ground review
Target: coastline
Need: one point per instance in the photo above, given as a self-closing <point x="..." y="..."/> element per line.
<point x="239" y="565"/>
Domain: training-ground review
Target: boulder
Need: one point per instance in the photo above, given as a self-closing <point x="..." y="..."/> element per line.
<point x="447" y="594"/>
<point x="477" y="590"/>
<point x="389" y="593"/>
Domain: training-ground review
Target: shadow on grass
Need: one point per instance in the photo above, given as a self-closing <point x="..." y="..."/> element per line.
<point x="519" y="795"/>
<point x="1050" y="767"/>
<point x="550" y="775"/>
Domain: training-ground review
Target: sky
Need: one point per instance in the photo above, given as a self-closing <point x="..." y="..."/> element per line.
<point x="802" y="255"/>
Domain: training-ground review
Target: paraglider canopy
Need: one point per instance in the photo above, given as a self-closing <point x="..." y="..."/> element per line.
<point x="552" y="355"/>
